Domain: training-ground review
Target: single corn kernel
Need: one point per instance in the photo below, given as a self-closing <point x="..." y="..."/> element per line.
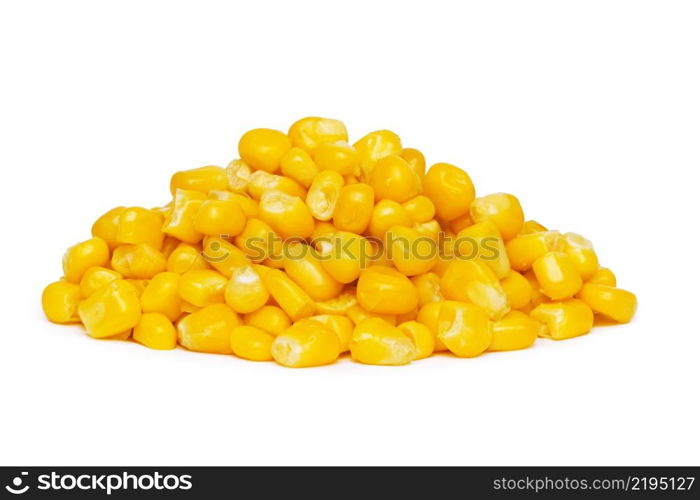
<point x="393" y="179"/>
<point x="342" y="326"/>
<point x="222" y="255"/>
<point x="340" y="305"/>
<point x="113" y="309"/>
<point x="358" y="314"/>
<point x="536" y="295"/>
<point x="429" y="315"/>
<point x="96" y="277"/>
<point x="564" y="320"/>
<point x="483" y="240"/>
<point x="262" y="181"/>
<point x="419" y="208"/>
<point x="139" y="225"/>
<point x="107" y="225"/>
<point x="60" y="301"/>
<point x="290" y="296"/>
<point x="263" y="148"/>
<point x="375" y="146"/>
<point x="525" y="249"/>
<point x="81" y="257"/>
<point x="306" y="270"/>
<point x="271" y="319"/>
<point x="431" y="229"/>
<point x="473" y="281"/>
<point x="338" y="156"/>
<point x="202" y="287"/>
<point x="343" y="255"/>
<point x="138" y="261"/>
<point x="156" y="331"/>
<point x="218" y="217"/>
<point x="249" y="342"/>
<point x="323" y="194"/>
<point x="516" y="330"/>
<point x="287" y="215"/>
<point x="306" y="343"/>
<point x="503" y="210"/>
<point x="180" y="222"/>
<point x="385" y="290"/>
<point x="259" y="241"/>
<point x="353" y="209"/>
<point x="376" y="342"/>
<point x="557" y="275"/>
<point x="461" y="222"/>
<point x="518" y="289"/>
<point x="185" y="258"/>
<point x="415" y="160"/>
<point x="428" y="288"/>
<point x="386" y="214"/>
<point x="580" y="251"/>
<point x="450" y="189"/>
<point x="202" y="179"/>
<point x="161" y="295"/>
<point x="411" y="252"/>
<point x="532" y="226"/>
<point x="208" y="329"/>
<point x="245" y="291"/>
<point x="308" y="133"/>
<point x="603" y="276"/>
<point x="464" y="329"/>
<point x="322" y="230"/>
<point x="614" y="303"/>
<point x="238" y="174"/>
<point x="298" y="165"/>
<point x="421" y="336"/>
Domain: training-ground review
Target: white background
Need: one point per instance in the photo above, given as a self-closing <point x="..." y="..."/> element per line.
<point x="588" y="111"/>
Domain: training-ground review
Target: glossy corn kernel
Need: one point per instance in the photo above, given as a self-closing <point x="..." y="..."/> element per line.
<point x="81" y="257"/>
<point x="415" y="160"/>
<point x="461" y="222"/>
<point x="186" y="257"/>
<point x="536" y="295"/>
<point x="428" y="288"/>
<point x="411" y="252"/>
<point x="429" y="315"/>
<point x="112" y="309"/>
<point x="419" y="208"/>
<point x="525" y="249"/>
<point x="375" y="146"/>
<point x="322" y="230"/>
<point x="516" y="330"/>
<point x="353" y="208"/>
<point x="95" y="278"/>
<point x="222" y="255"/>
<point x="376" y="342"/>
<point x="138" y="261"/>
<point x="603" y="276"/>
<point x="238" y="174"/>
<point x="464" y="328"/>
<point x="262" y="181"/>
<point x="340" y="305"/>
<point x="180" y="222"/>
<point x="202" y="179"/>
<point x="386" y="214"/>
<point x="342" y="326"/>
<point x="532" y="226"/>
<point x="308" y="133"/>
<point x="473" y="281"/>
<point x="202" y="288"/>
<point x="306" y="343"/>
<point x="169" y="246"/>
<point x="581" y="252"/>
<point x="564" y="320"/>
<point x="306" y="270"/>
<point x="259" y="241"/>
<point x="431" y="229"/>
<point x="249" y="342"/>
<point x="271" y="319"/>
<point x="287" y="215"/>
<point x="156" y="331"/>
<point x="219" y="217"/>
<point x="614" y="303"/>
<point x="343" y="255"/>
<point x="161" y="295"/>
<point x="291" y="297"/>
<point x="107" y="225"/>
<point x="450" y="189"/>
<point x="323" y="194"/>
<point x="518" y="289"/>
<point x="557" y="275"/>
<point x="139" y="225"/>
<point x="139" y="284"/>
<point x="60" y="301"/>
<point x="420" y="335"/>
<point x="358" y="314"/>
<point x="263" y="148"/>
<point x="298" y="165"/>
<point x="393" y="179"/>
<point x="245" y="291"/>
<point x="338" y="156"/>
<point x="386" y="291"/>
<point x="208" y="329"/>
<point x="483" y="240"/>
<point x="503" y="210"/>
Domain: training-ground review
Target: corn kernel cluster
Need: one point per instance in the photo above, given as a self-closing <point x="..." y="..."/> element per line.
<point x="308" y="247"/>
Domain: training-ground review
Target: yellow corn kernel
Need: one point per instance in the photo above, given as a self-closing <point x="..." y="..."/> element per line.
<point x="202" y="287"/>
<point x="442" y="264"/>
<point x="202" y="179"/>
<point x="342" y="326"/>
<point x="247" y="204"/>
<point x="532" y="226"/>
<point x="429" y="315"/>
<point x="580" y="251"/>
<point x="263" y="148"/>
<point x="298" y="165"/>
<point x="564" y="320"/>
<point x="287" y="215"/>
<point x="353" y="209"/>
<point x="375" y="146"/>
<point x="464" y="328"/>
<point x="614" y="303"/>
<point x="180" y="222"/>
<point x="162" y="211"/>
<point x="96" y="277"/>
<point x="161" y="295"/>
<point x="557" y="275"/>
<point x="393" y="179"/>
<point x="112" y="309"/>
<point x="290" y="296"/>
<point x="603" y="276"/>
<point x="358" y="314"/>
<point x="307" y="271"/>
<point x="306" y="343"/>
<point x="107" y="225"/>
<point x="208" y="329"/>
<point x="139" y="225"/>
<point x="343" y="255"/>
<point x="421" y="337"/>
<point x="323" y="194"/>
<point x="169" y="245"/>
<point x="525" y="249"/>
<point x="385" y="290"/>
<point x="473" y="281"/>
<point x="483" y="240"/>
<point x="387" y="213"/>
<point x="219" y="217"/>
<point x="139" y="284"/>
<point x="339" y="305"/>
<point x="431" y="229"/>
<point x="378" y="254"/>
<point x="536" y="295"/>
<point x="138" y="261"/>
<point x="60" y="301"/>
<point x="271" y="319"/>
<point x="238" y="174"/>
<point x="188" y="308"/>
<point x="259" y="241"/>
<point x="428" y="288"/>
<point x="460" y="223"/>
<point x="415" y="160"/>
<point x="245" y="291"/>
<point x="450" y="189"/>
<point x="419" y="208"/>
<point x="376" y="342"/>
<point x="322" y="230"/>
<point x="185" y="258"/>
<point x="311" y="131"/>
<point x="81" y="257"/>
<point x="411" y="252"/>
<point x="516" y="330"/>
<point x="350" y="179"/>
<point x="222" y="255"/>
<point x="249" y="342"/>
<point x="338" y="156"/>
<point x="156" y="331"/>
<point x="518" y="289"/>
<point x="503" y="210"/>
<point x="262" y="181"/>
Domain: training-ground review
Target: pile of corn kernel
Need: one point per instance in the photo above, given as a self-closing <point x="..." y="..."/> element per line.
<point x="308" y="247"/>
